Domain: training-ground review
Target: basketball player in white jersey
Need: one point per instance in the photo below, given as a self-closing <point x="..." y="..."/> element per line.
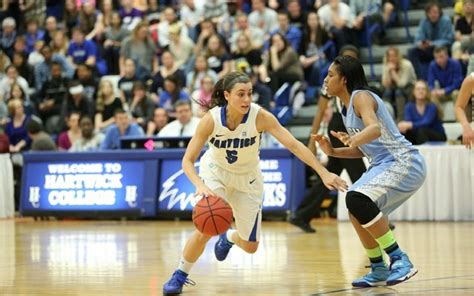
<point x="465" y="98"/>
<point x="230" y="169"/>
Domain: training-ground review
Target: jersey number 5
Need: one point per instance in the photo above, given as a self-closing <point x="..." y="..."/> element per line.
<point x="231" y="156"/>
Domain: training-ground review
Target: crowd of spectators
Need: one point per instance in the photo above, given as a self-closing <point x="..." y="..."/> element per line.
<point x="90" y="71"/>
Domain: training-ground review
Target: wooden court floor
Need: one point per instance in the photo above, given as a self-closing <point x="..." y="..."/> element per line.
<point x="137" y="257"/>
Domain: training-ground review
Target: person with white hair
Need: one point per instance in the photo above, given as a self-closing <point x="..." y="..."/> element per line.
<point x="8" y="35"/>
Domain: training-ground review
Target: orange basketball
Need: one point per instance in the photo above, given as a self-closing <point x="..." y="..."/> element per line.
<point x="212" y="215"/>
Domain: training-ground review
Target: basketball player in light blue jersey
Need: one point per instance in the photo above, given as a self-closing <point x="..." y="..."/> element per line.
<point x="397" y="170"/>
<point x="230" y="169"/>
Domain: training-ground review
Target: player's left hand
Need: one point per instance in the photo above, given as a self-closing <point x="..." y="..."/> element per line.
<point x="334" y="182"/>
<point x="345" y="138"/>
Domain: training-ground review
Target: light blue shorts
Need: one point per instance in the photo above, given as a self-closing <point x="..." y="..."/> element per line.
<point x="390" y="184"/>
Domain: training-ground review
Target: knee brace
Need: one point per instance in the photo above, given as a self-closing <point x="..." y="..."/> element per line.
<point x="362" y="208"/>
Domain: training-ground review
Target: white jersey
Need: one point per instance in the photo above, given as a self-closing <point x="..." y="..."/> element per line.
<point x="236" y="150"/>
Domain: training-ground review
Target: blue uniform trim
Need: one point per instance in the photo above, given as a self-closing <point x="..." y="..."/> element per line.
<point x="224" y="116"/>
<point x="253" y="234"/>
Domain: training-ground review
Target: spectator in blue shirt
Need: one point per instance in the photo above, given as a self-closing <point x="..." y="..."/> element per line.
<point x="43" y="69"/>
<point x="121" y="127"/>
<point x="33" y="33"/>
<point x="447" y="72"/>
<point x="435" y="30"/>
<point x="422" y="118"/>
<point x="16" y="128"/>
<point x="81" y="51"/>
<point x="291" y="33"/>
<point x="171" y="93"/>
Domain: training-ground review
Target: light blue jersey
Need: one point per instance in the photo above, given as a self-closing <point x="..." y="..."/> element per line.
<point x="390" y="146"/>
<point x="397" y="169"/>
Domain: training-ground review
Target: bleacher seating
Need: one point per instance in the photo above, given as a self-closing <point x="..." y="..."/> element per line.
<point x="300" y="125"/>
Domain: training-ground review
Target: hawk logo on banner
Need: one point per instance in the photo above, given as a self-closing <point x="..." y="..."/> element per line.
<point x="172" y="189"/>
<point x="35" y="197"/>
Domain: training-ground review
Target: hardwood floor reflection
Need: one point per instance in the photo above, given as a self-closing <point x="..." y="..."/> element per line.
<point x="136" y="258"/>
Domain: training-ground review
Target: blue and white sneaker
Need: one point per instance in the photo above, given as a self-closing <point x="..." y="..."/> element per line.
<point x="401" y="269"/>
<point x="377" y="277"/>
<point x="176" y="283"/>
<point x="222" y="247"/>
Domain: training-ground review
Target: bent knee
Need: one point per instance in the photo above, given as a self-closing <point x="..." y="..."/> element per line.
<point x="201" y="237"/>
<point x="362" y="207"/>
<point x="250" y="247"/>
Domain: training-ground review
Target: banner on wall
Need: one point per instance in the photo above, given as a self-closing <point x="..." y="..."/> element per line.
<point x="83" y="186"/>
<point x="177" y="192"/>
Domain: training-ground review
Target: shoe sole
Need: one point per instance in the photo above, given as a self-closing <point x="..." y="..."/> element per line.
<point x="412" y="272"/>
<point x="173" y="293"/>
<point x="369" y="285"/>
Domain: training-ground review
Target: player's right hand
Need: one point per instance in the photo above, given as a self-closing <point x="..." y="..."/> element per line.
<point x="334" y="182"/>
<point x="203" y="190"/>
<point x="324" y="143"/>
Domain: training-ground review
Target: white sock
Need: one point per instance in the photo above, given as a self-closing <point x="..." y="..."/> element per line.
<point x="229" y="235"/>
<point x="184" y="265"/>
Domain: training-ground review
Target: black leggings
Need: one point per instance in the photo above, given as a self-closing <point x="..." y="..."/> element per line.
<point x="422" y="135"/>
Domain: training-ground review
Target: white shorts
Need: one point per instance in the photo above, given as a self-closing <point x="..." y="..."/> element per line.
<point x="244" y="193"/>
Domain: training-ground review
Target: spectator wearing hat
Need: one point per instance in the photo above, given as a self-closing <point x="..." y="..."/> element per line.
<point x="76" y="102"/>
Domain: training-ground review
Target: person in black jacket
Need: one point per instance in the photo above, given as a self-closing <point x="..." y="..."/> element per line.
<point x="309" y="206"/>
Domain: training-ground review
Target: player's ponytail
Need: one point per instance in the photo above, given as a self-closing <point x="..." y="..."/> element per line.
<point x="226" y="83"/>
<point x="218" y="97"/>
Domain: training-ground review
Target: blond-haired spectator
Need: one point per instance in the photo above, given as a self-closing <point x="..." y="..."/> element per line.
<point x="398" y="75"/>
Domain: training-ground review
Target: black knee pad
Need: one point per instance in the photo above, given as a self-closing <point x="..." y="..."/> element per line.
<point x="361" y="207"/>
